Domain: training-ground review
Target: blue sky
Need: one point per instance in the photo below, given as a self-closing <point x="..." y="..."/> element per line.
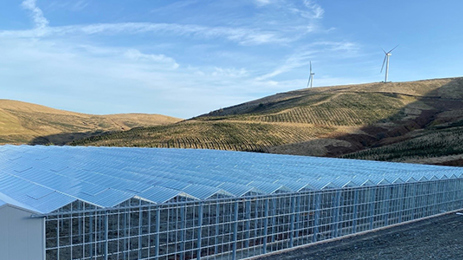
<point x="185" y="58"/>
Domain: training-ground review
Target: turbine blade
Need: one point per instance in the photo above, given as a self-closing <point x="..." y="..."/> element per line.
<point x="382" y="67"/>
<point x="311" y="67"/>
<point x="384" y="51"/>
<point x="308" y="82"/>
<point x="393" y="48"/>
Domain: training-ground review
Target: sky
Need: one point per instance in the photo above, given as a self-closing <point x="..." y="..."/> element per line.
<point x="190" y="57"/>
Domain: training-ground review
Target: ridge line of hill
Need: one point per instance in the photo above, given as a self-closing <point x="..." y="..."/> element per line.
<point x="23" y="122"/>
<point x="415" y="121"/>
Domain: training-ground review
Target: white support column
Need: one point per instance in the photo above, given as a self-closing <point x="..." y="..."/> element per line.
<point x="157" y="230"/>
<point x="235" y="230"/>
<point x="372" y="205"/>
<point x="140" y="230"/>
<point x="274" y="208"/>
<point x="182" y="231"/>
<point x="355" y="213"/>
<point x="291" y="225"/>
<point x="106" y="231"/>
<point x="200" y="225"/>
<point x="317" y="209"/>
<point x="264" y="246"/>
<point x="387" y="200"/>
<point x="401" y="200"/>
<point x="336" y="214"/>
<point x="248" y="222"/>
<point x="297" y="212"/>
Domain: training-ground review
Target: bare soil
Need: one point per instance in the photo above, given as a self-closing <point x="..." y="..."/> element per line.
<point x="435" y="238"/>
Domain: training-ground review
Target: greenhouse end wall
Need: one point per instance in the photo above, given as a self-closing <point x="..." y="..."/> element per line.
<point x="21" y="237"/>
<point x="235" y="228"/>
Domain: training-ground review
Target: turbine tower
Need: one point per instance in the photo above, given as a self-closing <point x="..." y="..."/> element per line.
<point x="386" y="60"/>
<point x="310" y="82"/>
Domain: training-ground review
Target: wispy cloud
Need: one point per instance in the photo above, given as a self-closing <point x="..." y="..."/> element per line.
<point x="40" y="21"/>
<point x="242" y="36"/>
<point x="230" y="72"/>
<point x="314" y="11"/>
<point x="271" y="28"/>
<point x="293" y="19"/>
<point x="68" y="5"/>
<point x="293" y="61"/>
<point x="79" y="5"/>
<point x="116" y="77"/>
<point x="262" y="2"/>
<point x="162" y="73"/>
<point x="303" y="57"/>
<point x="136" y="55"/>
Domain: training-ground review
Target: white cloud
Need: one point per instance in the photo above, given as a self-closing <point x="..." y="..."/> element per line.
<point x="110" y="80"/>
<point x="259" y="30"/>
<point x="294" y="19"/>
<point x="69" y="62"/>
<point x="230" y="72"/>
<point x="303" y="57"/>
<point x="136" y="55"/>
<point x="71" y="5"/>
<point x="315" y="11"/>
<point x="79" y="5"/>
<point x="262" y="2"/>
<point x="40" y="21"/>
<point x="296" y="60"/>
<point x="242" y="36"/>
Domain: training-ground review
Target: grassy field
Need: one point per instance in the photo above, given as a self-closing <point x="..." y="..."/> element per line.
<point x="22" y="122"/>
<point x="220" y="135"/>
<point x="403" y="121"/>
<point x="434" y="146"/>
<point x="346" y="109"/>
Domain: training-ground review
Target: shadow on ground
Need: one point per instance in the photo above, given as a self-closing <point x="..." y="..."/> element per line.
<point x="63" y="139"/>
<point x="429" y="127"/>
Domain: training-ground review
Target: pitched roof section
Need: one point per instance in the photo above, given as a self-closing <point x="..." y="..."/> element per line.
<point x="46" y="178"/>
<point x="6" y="200"/>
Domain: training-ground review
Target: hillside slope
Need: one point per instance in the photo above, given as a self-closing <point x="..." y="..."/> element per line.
<point x="22" y="122"/>
<point x="350" y="121"/>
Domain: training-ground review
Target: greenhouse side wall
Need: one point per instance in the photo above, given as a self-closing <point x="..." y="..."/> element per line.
<point x="241" y="227"/>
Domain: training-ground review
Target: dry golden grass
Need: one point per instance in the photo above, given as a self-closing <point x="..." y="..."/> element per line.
<point x="434" y="88"/>
<point x="432" y="147"/>
<point x="328" y="121"/>
<point x="224" y="135"/>
<point x="22" y="122"/>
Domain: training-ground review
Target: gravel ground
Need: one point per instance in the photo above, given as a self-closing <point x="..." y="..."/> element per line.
<point x="435" y="238"/>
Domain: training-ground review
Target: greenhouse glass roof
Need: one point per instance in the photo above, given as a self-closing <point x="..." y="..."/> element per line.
<point x="46" y="178"/>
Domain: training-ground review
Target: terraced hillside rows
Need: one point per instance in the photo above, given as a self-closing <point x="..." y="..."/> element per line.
<point x="351" y="121"/>
<point x="223" y="135"/>
<point x="22" y="122"/>
<point x="347" y="109"/>
<point x="439" y="146"/>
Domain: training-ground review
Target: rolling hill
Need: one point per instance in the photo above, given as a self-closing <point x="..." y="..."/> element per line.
<point x="419" y="121"/>
<point x="22" y="122"/>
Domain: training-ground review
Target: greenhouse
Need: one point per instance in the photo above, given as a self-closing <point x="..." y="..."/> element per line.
<point x="151" y="203"/>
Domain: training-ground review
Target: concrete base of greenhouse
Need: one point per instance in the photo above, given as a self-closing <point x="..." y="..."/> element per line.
<point x="434" y="237"/>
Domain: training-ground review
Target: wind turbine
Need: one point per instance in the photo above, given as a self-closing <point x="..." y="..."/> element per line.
<point x="386" y="60"/>
<point x="310" y="81"/>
